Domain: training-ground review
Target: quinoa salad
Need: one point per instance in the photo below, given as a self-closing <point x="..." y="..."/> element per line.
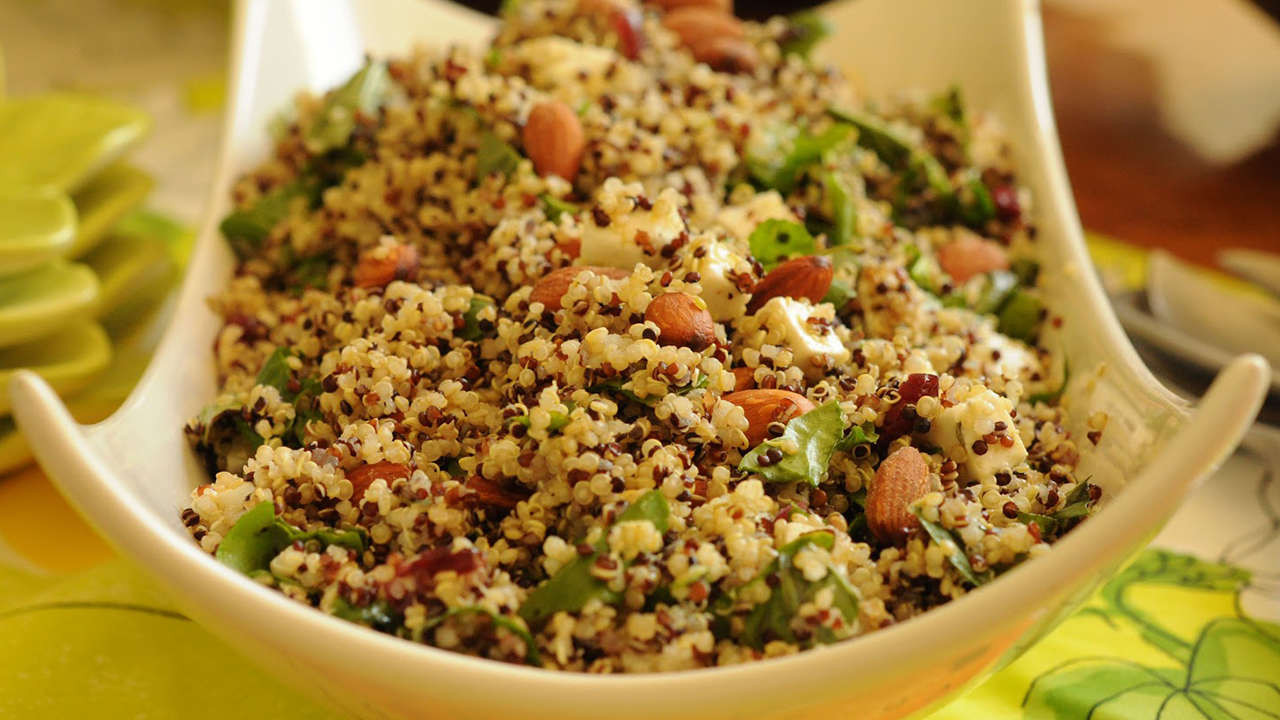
<point x="636" y="341"/>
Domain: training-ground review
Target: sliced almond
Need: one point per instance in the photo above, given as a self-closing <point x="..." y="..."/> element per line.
<point x="804" y="277"/>
<point x="763" y="407"/>
<point x="744" y="378"/>
<point x="901" y="479"/>
<point x="552" y="287"/>
<point x="683" y="320"/>
<point x="554" y="140"/>
<point x="697" y="24"/>
<point x="381" y="265"/>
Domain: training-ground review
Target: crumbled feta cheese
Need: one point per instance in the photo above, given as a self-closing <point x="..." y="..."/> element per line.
<point x="556" y="61"/>
<point x="957" y="428"/>
<point x="740" y="220"/>
<point x="718" y="267"/>
<point x="806" y="332"/>
<point x="631" y="237"/>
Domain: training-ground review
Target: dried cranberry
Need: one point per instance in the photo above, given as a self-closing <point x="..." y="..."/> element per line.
<point x="1005" y="198"/>
<point x="629" y="24"/>
<point x="898" y="421"/>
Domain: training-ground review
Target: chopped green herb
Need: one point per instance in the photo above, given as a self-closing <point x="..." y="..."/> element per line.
<point x="377" y="614"/>
<point x="258" y="536"/>
<point x="364" y="92"/>
<point x="774" y="240"/>
<point x="805" y="30"/>
<point x="276" y="373"/>
<point x="844" y="216"/>
<point x="532" y="656"/>
<point x="787" y="152"/>
<point x="998" y="287"/>
<point x="840" y="294"/>
<point x="1049" y="397"/>
<point x="246" y="230"/>
<point x="898" y="152"/>
<point x="555" y="208"/>
<point x="789" y="590"/>
<point x="815" y="435"/>
<point x="573" y="586"/>
<point x="954" y="548"/>
<point x="950" y="104"/>
<point x="1075" y="507"/>
<point x="974" y="205"/>
<point x="495" y="156"/>
<point x="1020" y="317"/>
<point x="471" y="318"/>
<point x="558" y="419"/>
<point x="858" y="435"/>
<point x="924" y="270"/>
<point x="1027" y="270"/>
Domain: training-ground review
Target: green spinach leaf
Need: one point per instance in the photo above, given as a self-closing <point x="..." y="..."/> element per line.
<point x="532" y="656"/>
<point x="495" y="156"/>
<point x="555" y="208"/>
<point x="954" y="548"/>
<point x="1020" y="316"/>
<point x="573" y="586"/>
<point x="364" y="92"/>
<point x="471" y="318"/>
<point x="775" y="239"/>
<point x="789" y="590"/>
<point x="898" y="152"/>
<point x="805" y="30"/>
<point x="258" y="536"/>
<point x="815" y="434"/>
<point x="247" y="229"/>
<point x="787" y="152"/>
<point x="378" y="614"/>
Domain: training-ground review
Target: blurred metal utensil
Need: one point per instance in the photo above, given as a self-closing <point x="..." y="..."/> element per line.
<point x="1257" y="266"/>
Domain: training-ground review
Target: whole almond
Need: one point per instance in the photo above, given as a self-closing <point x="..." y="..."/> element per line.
<point x="744" y="378"/>
<point x="695" y="24"/>
<point x="804" y="277"/>
<point x="683" y="320"/>
<point x="724" y="6"/>
<point x="969" y="254"/>
<point x="552" y="287"/>
<point x="554" y="140"/>
<point x="362" y="477"/>
<point x="377" y="267"/>
<point x="726" y="54"/>
<point x="763" y="407"/>
<point x="901" y="479"/>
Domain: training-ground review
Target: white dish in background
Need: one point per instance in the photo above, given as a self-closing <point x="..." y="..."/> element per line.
<point x="130" y="474"/>
<point x="1168" y="339"/>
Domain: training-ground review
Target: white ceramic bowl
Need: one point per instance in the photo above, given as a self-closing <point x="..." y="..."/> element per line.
<point x="130" y="474"/>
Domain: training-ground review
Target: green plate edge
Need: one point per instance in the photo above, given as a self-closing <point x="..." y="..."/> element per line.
<point x="68" y="360"/>
<point x="59" y="140"/>
<point x="52" y="218"/>
<point x="42" y="301"/>
<point x="106" y="198"/>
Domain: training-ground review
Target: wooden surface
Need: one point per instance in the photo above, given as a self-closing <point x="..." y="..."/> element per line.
<point x="1134" y="181"/>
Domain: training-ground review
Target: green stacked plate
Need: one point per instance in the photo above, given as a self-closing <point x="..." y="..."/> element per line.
<point x="81" y="267"/>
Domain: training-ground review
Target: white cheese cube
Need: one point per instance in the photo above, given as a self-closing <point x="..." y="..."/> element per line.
<point x="957" y="428"/>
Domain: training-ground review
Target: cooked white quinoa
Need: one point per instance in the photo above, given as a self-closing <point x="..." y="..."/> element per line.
<point x="429" y="452"/>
